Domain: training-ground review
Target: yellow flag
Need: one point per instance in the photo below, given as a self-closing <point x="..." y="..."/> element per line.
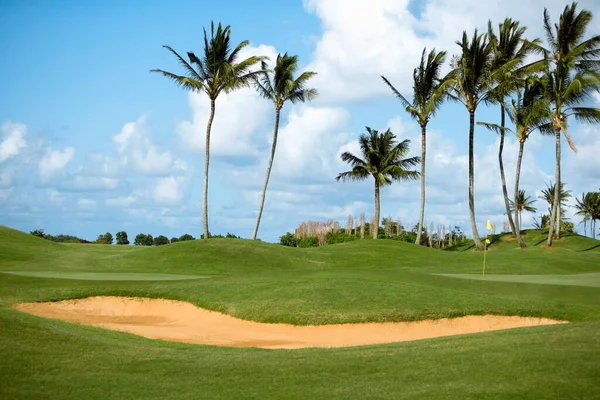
<point x="489" y="226"/>
<point x="487" y="241"/>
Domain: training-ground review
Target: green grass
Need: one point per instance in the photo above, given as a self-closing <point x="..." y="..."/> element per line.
<point x="351" y="282"/>
<point x="105" y="276"/>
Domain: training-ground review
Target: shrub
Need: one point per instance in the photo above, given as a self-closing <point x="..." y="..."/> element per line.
<point x="161" y="240"/>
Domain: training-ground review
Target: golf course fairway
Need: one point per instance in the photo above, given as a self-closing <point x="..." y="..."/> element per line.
<point x="365" y="283"/>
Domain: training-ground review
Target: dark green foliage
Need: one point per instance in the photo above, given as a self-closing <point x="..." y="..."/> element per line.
<point x="107" y="238"/>
<point x="161" y="240"/>
<point x="174" y="239"/>
<point x="143" y="240"/>
<point x="122" y="238"/>
<point x="185" y="237"/>
<point x="58" y="238"/>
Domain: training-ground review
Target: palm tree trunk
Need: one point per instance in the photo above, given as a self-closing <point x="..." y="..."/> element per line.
<point x="423" y="153"/>
<point x="376" y="227"/>
<point x="206" y="162"/>
<point x="502" y="177"/>
<point x="476" y="238"/>
<point x="517" y="178"/>
<point x="555" y="213"/>
<point x="264" y="192"/>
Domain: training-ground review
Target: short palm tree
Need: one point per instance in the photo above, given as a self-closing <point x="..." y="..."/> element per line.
<point x="214" y="72"/>
<point x="429" y="92"/>
<point x="508" y="46"/>
<point x="548" y="196"/>
<point x="572" y="75"/>
<point x="583" y="208"/>
<point x="474" y="79"/>
<point x="383" y="159"/>
<point x="520" y="204"/>
<point x="284" y="87"/>
<point x="529" y="111"/>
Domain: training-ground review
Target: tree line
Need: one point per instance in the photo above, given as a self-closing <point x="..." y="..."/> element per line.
<point x="121" y="238"/>
<point x="538" y="88"/>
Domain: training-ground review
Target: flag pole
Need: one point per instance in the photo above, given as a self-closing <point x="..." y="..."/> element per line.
<point x="484" y="252"/>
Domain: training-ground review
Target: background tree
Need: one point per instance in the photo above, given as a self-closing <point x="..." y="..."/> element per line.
<point x="508" y="48"/>
<point x="474" y="77"/>
<point x="548" y="196"/>
<point x="383" y="159"/>
<point x="107" y="238"/>
<point x="529" y="112"/>
<point x="142" y="239"/>
<point x="161" y="240"/>
<point x="429" y="92"/>
<point x="122" y="238"/>
<point x="174" y="240"/>
<point x="520" y="204"/>
<point x="185" y="237"/>
<point x="589" y="209"/>
<point x="282" y="88"/>
<point x="216" y="71"/>
<point x="571" y="77"/>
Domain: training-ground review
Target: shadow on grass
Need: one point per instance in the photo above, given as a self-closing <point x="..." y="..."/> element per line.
<point x="591" y="248"/>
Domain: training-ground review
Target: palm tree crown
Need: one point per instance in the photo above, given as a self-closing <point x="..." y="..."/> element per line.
<point x="284" y="87"/>
<point x="217" y="70"/>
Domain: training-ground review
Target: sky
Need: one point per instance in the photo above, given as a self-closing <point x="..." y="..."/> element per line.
<point x="91" y="141"/>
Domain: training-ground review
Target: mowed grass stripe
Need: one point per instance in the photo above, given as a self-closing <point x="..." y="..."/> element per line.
<point x="590" y="279"/>
<point x="105" y="276"/>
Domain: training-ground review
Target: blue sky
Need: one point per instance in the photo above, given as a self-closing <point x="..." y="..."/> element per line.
<point x="91" y="141"/>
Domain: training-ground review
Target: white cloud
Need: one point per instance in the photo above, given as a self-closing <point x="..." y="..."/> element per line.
<point x="169" y="190"/>
<point x="54" y="162"/>
<point x="86" y="204"/>
<point x="135" y="149"/>
<point x="121" y="202"/>
<point x="13" y="139"/>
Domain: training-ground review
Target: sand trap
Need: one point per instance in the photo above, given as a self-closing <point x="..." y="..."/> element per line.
<point x="183" y="322"/>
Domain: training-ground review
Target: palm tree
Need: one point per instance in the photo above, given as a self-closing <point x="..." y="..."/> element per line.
<point x="214" y="72"/>
<point x="383" y="159"/>
<point x="283" y="88"/>
<point x="521" y="203"/>
<point x="474" y="79"/>
<point x="589" y="208"/>
<point x="529" y="111"/>
<point x="572" y="75"/>
<point x="429" y="91"/>
<point x="508" y="46"/>
<point x="548" y="196"/>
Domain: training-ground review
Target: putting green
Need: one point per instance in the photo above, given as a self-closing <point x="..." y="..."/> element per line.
<point x="105" y="276"/>
<point x="590" y="279"/>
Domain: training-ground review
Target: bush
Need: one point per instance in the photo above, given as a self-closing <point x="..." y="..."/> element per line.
<point x="289" y="240"/>
<point x="185" y="237"/>
<point x="311" y="241"/>
<point x="143" y="240"/>
<point x="161" y="240"/>
<point x="174" y="239"/>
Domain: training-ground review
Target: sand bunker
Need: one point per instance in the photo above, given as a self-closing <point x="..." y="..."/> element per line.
<point x="183" y="322"/>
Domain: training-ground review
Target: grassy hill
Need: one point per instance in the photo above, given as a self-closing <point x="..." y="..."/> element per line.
<point x="350" y="282"/>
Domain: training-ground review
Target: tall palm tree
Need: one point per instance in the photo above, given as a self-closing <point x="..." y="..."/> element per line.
<point x="474" y="78"/>
<point x="572" y="75"/>
<point x="282" y="88"/>
<point x="429" y="92"/>
<point x="583" y="208"/>
<point x="548" y="195"/>
<point x="529" y="111"/>
<point x="214" y="72"/>
<point x="520" y="204"/>
<point x="383" y="159"/>
<point x="508" y="46"/>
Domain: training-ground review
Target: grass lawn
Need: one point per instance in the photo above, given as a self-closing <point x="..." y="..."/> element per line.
<point x="351" y="282"/>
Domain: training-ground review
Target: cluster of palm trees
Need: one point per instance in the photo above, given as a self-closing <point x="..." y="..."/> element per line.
<point x="538" y="88"/>
<point x="218" y="70"/>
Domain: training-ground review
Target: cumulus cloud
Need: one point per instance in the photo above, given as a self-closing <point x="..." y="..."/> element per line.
<point x="363" y="40"/>
<point x="169" y="190"/>
<point x="13" y="139"/>
<point x="54" y="162"/>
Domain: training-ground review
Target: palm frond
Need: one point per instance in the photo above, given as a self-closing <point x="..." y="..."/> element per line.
<point x="182" y="81"/>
